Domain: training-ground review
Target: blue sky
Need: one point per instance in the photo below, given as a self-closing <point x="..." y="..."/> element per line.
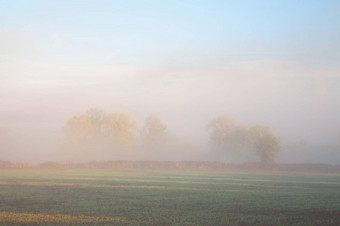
<point x="138" y="31"/>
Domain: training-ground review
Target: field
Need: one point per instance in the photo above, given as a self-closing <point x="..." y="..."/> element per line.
<point x="132" y="197"/>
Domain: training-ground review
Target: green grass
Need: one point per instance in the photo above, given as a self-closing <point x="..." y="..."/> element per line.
<point x="106" y="197"/>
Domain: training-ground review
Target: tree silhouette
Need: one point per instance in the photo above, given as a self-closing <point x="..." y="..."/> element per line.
<point x="153" y="131"/>
<point x="227" y="137"/>
<point x="96" y="129"/>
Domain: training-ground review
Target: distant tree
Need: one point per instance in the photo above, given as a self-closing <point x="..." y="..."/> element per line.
<point x="120" y="129"/>
<point x="267" y="147"/>
<point x="153" y="131"/>
<point x="226" y="137"/>
<point x="96" y="128"/>
<point x="264" y="143"/>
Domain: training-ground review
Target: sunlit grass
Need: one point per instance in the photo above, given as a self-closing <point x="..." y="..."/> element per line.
<point x="49" y="218"/>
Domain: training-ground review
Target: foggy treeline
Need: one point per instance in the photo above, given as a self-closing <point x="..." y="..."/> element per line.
<point x="97" y="135"/>
<point x="101" y="135"/>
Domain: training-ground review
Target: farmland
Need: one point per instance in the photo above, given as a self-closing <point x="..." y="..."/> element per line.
<point x="168" y="197"/>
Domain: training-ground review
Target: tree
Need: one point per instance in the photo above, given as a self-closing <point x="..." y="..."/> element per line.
<point x="118" y="128"/>
<point x="221" y="130"/>
<point x="229" y="139"/>
<point x="97" y="129"/>
<point x="267" y="147"/>
<point x="153" y="131"/>
<point x="264" y="143"/>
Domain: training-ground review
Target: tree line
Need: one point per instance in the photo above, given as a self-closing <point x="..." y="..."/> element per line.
<point x="97" y="129"/>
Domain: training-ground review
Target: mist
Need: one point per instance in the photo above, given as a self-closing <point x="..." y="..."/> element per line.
<point x="280" y="69"/>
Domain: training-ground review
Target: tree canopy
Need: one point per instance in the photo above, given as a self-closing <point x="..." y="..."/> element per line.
<point x="227" y="137"/>
<point x="96" y="129"/>
<point x="153" y="131"/>
<point x="225" y="134"/>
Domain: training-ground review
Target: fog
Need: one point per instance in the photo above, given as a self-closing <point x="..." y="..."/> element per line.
<point x="185" y="63"/>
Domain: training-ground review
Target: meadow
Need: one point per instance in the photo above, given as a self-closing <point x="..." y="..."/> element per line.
<point x="167" y="197"/>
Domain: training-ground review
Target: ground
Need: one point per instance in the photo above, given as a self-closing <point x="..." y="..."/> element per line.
<point x="177" y="197"/>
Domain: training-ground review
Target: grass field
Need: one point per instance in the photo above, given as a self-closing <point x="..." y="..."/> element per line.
<point x="111" y="197"/>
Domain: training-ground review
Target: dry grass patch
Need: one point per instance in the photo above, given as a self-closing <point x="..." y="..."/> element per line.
<point x="48" y="218"/>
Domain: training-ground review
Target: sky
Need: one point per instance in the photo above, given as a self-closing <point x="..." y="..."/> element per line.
<point x="275" y="63"/>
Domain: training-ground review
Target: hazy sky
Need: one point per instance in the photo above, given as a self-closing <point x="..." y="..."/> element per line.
<point x="275" y="63"/>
